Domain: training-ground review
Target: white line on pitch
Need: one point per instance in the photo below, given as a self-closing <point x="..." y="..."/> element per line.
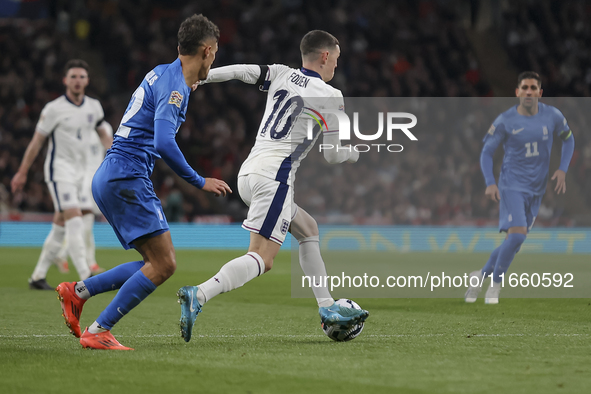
<point x="307" y="335"/>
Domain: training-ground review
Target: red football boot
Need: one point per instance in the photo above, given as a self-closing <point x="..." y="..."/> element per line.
<point x="104" y="340"/>
<point x="71" y="306"/>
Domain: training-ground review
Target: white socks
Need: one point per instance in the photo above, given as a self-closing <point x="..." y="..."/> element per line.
<point x="237" y="272"/>
<point x="63" y="253"/>
<point x="76" y="247"/>
<point x="88" y="220"/>
<point x="51" y="247"/>
<point x="313" y="267"/>
<point x="96" y="328"/>
<point x="82" y="290"/>
<point x="232" y="275"/>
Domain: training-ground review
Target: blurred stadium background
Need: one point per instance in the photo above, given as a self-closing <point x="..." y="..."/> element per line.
<point x="262" y="338"/>
<point x="428" y="48"/>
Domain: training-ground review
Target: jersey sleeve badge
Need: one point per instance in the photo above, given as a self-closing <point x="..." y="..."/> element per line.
<point x="492" y="129"/>
<point x="175" y="98"/>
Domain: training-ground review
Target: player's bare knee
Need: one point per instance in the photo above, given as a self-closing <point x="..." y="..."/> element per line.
<point x="168" y="268"/>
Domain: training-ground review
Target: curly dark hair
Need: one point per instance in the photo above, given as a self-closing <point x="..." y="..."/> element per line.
<point x="193" y="31"/>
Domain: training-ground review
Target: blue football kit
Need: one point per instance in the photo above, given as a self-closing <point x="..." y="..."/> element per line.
<point x="121" y="186"/>
<point x="527" y="141"/>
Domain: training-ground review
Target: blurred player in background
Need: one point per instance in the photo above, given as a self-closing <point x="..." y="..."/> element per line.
<point x="95" y="153"/>
<point x="265" y="180"/>
<point x="124" y="192"/>
<point x="526" y="132"/>
<point x="68" y="122"/>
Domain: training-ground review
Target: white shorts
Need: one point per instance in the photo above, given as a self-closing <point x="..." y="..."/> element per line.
<point x="271" y="206"/>
<point x="67" y="195"/>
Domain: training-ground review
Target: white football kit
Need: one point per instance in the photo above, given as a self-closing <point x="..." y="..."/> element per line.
<point x="69" y="128"/>
<point x="295" y="98"/>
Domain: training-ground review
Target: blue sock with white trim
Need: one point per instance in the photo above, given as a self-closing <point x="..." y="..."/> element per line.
<point x="109" y="280"/>
<point x="134" y="291"/>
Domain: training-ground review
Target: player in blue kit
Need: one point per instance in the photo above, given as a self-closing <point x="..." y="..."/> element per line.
<point x="125" y="195"/>
<point x="526" y="132"/>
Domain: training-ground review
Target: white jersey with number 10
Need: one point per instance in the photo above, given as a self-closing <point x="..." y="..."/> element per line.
<point x="282" y="139"/>
<point x="296" y="99"/>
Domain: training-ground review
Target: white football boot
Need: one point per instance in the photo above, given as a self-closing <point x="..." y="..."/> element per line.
<point x="473" y="291"/>
<point x="492" y="294"/>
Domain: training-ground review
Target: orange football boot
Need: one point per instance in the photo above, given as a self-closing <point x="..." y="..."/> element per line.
<point x="104" y="340"/>
<point x="71" y="306"/>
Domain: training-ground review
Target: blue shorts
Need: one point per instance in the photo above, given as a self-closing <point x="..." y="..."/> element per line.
<point x="125" y="195"/>
<point x="518" y="209"/>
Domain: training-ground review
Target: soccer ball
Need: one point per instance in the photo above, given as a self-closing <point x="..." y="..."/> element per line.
<point x="339" y="334"/>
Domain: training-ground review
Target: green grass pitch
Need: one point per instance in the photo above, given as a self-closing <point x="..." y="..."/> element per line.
<point x="258" y="339"/>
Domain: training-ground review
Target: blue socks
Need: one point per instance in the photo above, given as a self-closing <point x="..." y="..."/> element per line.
<point x="489" y="267"/>
<point x="112" y="279"/>
<point x="133" y="291"/>
<point x="507" y="251"/>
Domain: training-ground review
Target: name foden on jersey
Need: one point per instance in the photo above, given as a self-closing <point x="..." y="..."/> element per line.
<point x="299" y="80"/>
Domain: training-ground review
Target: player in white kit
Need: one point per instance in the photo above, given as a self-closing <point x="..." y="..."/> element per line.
<point x="67" y="122"/>
<point x="95" y="153"/>
<point x="266" y="178"/>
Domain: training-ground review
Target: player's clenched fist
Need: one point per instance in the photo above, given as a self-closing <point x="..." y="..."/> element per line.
<point x="492" y="192"/>
<point x="217" y="187"/>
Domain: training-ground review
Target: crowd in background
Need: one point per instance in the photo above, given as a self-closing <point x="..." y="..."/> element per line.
<point x="425" y="53"/>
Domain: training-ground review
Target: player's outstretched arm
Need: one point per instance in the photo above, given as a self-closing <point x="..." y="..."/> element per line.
<point x="247" y="73"/>
<point x="20" y="178"/>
